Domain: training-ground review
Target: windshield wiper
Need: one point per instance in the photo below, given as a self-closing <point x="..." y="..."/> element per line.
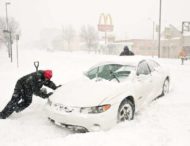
<point x="115" y="76"/>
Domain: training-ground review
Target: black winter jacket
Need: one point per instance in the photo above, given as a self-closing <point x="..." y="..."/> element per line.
<point x="126" y="52"/>
<point x="32" y="83"/>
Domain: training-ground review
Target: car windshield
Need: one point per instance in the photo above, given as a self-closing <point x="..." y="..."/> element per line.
<point x="110" y="72"/>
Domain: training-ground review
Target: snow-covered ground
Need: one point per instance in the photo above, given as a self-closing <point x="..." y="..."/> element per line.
<point x="165" y="122"/>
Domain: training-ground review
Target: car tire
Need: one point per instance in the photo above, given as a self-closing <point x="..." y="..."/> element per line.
<point x="165" y="87"/>
<point x="126" y="111"/>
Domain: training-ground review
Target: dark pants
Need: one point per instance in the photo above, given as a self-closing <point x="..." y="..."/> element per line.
<point x="18" y="102"/>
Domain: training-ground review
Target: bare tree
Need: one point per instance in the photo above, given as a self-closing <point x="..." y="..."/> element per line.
<point x="2" y="27"/>
<point x="58" y="43"/>
<point x="68" y="35"/>
<point x="90" y="36"/>
<point x="13" y="28"/>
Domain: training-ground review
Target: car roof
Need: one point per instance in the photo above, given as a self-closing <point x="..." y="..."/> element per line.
<point x="123" y="60"/>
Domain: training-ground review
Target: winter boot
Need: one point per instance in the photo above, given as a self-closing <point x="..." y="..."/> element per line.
<point x="2" y="116"/>
<point x="17" y="109"/>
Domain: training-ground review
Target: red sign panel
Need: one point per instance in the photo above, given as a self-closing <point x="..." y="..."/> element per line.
<point x="105" y="28"/>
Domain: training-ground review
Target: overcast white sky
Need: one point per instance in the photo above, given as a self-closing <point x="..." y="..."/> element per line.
<point x="131" y="18"/>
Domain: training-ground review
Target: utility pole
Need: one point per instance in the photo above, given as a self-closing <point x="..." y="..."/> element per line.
<point x="153" y="25"/>
<point x="159" y="33"/>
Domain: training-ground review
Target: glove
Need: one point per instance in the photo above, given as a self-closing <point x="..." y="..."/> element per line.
<point x="49" y="94"/>
<point x="58" y="86"/>
<point x="44" y="90"/>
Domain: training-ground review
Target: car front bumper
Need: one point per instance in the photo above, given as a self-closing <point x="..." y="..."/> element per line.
<point x="88" y="122"/>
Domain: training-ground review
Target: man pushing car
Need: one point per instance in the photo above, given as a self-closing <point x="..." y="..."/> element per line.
<point x="25" y="88"/>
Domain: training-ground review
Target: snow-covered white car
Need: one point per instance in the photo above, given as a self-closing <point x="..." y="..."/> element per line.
<point x="108" y="93"/>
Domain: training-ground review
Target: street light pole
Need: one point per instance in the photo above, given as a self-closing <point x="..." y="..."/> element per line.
<point x="7" y="3"/>
<point x="153" y="25"/>
<point x="160" y="9"/>
<point x="11" y="49"/>
<point x="7" y="28"/>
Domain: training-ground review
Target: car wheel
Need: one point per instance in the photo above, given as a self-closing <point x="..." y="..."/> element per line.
<point x="126" y="111"/>
<point x="165" y="88"/>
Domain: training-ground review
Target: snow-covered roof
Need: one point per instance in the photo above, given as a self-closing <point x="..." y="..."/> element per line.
<point x="124" y="60"/>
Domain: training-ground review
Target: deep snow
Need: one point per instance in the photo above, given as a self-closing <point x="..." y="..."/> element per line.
<point x="164" y="122"/>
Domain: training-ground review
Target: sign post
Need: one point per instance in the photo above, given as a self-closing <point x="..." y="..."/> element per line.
<point x="17" y="38"/>
<point x="105" y="24"/>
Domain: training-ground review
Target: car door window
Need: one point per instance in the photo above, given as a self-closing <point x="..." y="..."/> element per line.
<point x="143" y="69"/>
<point x="152" y="69"/>
<point x="153" y="65"/>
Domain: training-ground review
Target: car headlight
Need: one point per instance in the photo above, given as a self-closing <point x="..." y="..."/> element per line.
<point x="95" y="109"/>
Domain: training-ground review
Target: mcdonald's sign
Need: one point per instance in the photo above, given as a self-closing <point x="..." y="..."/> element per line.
<point x="105" y="23"/>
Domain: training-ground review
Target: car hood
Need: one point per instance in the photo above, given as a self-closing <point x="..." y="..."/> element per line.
<point x="85" y="92"/>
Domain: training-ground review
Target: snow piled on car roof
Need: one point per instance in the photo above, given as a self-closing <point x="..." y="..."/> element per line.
<point x="124" y="60"/>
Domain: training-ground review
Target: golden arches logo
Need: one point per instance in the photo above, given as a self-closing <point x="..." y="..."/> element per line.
<point x="105" y="19"/>
<point x="105" y="23"/>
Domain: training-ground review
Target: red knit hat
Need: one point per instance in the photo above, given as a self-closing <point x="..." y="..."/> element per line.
<point x="48" y="74"/>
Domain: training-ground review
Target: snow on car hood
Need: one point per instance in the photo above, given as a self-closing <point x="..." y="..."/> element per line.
<point x="84" y="92"/>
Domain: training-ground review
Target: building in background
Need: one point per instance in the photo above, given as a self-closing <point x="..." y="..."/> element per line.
<point x="172" y="42"/>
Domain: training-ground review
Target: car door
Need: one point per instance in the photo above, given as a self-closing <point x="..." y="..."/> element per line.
<point x="156" y="78"/>
<point x="143" y="83"/>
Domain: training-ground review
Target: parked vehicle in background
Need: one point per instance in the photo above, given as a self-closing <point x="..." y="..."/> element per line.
<point x="108" y="93"/>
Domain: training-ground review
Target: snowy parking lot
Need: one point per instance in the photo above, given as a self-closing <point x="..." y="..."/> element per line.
<point x="164" y="122"/>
